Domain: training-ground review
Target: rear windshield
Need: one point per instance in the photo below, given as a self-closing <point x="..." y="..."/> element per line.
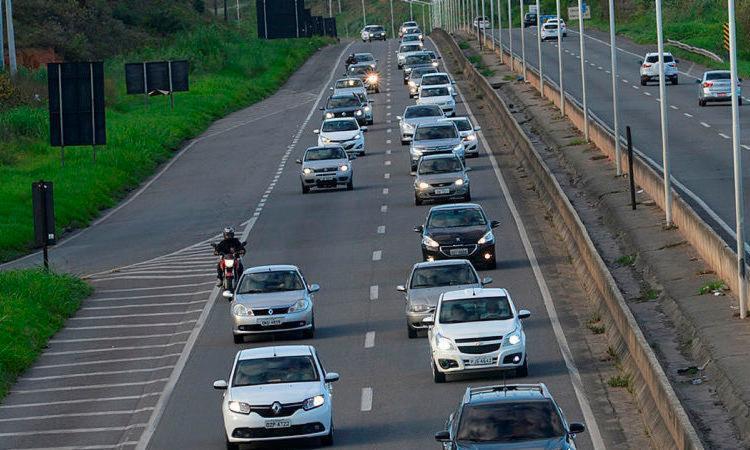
<point x="410" y="37"/>
<point x="342" y="102"/>
<point x="420" y="72"/>
<point x="283" y="369"/>
<point x="340" y="125"/>
<point x="343" y="84"/>
<point x="361" y="57"/>
<point x="463" y="124"/>
<point x="510" y="422"/>
<point x="411" y="48"/>
<point x="359" y="70"/>
<point x="423" y="111"/>
<point x="719" y="76"/>
<point x="435" y="132"/>
<point x="435" y="92"/>
<point x="452" y="275"/>
<point x="418" y="59"/>
<point x="436" y="79"/>
<point x="440" y="165"/>
<point x="550" y="26"/>
<point x="323" y="153"/>
<point x="452" y="218"/>
<point x="655" y="58"/>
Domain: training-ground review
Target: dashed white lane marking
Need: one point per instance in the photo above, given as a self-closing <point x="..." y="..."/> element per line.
<point x="636" y="87"/>
<point x="377" y="255"/>
<point x="647" y="93"/>
<point x="385" y="191"/>
<point x="387" y="176"/>
<point x="381" y="229"/>
<point x="384" y="208"/>
<point x="86" y="374"/>
<point x="374" y="290"/>
<point x="673" y="107"/>
<point x="724" y="135"/>
<point x="625" y="81"/>
<point x="388" y="106"/>
<point x="114" y="349"/>
<point x="140" y="325"/>
<point x="92" y="386"/>
<point x="688" y="115"/>
<point x="83" y="400"/>
<point x="389" y="130"/>
<point x="388" y="152"/>
<point x="137" y="297"/>
<point x="117" y="338"/>
<point x="106" y="361"/>
<point x="370" y="339"/>
<point x="366" y="404"/>
<point x="124" y="316"/>
<point x="388" y="114"/>
<point x="746" y="147"/>
<point x="175" y="286"/>
<point x="388" y="163"/>
<point x="705" y="125"/>
<point x="608" y="72"/>
<point x="387" y="141"/>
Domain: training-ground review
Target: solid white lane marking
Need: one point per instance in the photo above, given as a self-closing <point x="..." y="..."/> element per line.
<point x="381" y="229"/>
<point x="74" y="430"/>
<point x="141" y="305"/>
<point x="384" y="208"/>
<point x="117" y="338"/>
<point x="82" y="414"/>
<point x="106" y="361"/>
<point x="174" y="286"/>
<point x="705" y="125"/>
<point x="647" y="93"/>
<point x="724" y="135"/>
<point x="370" y="339"/>
<point x="87" y="374"/>
<point x="366" y="403"/>
<point x="374" y="292"/>
<point x="387" y="175"/>
<point x="688" y="115"/>
<point x="113" y="349"/>
<point x="377" y="255"/>
<point x="385" y="191"/>
<point x="90" y="386"/>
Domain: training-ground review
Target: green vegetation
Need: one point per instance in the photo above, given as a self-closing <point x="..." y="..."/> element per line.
<point x="620" y="381"/>
<point x="626" y="260"/>
<point x="33" y="306"/>
<point x="712" y="286"/>
<point x="595" y="324"/>
<point x="350" y="21"/>
<point x="230" y="69"/>
<point x="651" y="294"/>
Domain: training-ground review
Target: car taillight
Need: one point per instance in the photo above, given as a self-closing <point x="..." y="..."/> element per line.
<point x="646" y="66"/>
<point x="708" y="84"/>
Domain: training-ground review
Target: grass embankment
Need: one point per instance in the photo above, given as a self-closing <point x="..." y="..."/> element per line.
<point x="33" y="306"/>
<point x="350" y="21"/>
<point x="230" y="69"/>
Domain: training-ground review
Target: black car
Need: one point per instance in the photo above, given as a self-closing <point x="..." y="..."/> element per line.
<point x="414" y="60"/>
<point x="376" y="32"/>
<point x="345" y="105"/>
<point x="369" y="76"/>
<point x="513" y="416"/>
<point x="529" y="20"/>
<point x="459" y="231"/>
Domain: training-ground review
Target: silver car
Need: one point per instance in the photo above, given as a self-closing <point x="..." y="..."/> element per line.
<point x="441" y="177"/>
<point x="271" y="299"/>
<point x="468" y="133"/>
<point x="429" y="280"/>
<point x="716" y="87"/>
<point x="415" y="79"/>
<point x="406" y="49"/>
<point x="348" y="86"/>
<point x="343" y="131"/>
<point x="435" y="138"/>
<point x="326" y="167"/>
<point x="415" y="115"/>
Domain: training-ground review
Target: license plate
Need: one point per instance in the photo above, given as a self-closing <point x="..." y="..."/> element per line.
<point x="459" y="251"/>
<point x="331" y="178"/>
<point x="483" y="361"/>
<point x="270" y="424"/>
<point x="722" y="94"/>
<point x="442" y="191"/>
<point x="270" y="322"/>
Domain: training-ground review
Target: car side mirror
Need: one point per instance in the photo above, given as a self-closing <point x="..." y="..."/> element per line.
<point x="698" y="81"/>
<point x="495" y="223"/>
<point x="398" y="117"/>
<point x="576" y="428"/>
<point x="298" y="161"/>
<point x="401" y="288"/>
<point x="439" y="57"/>
<point x="313" y="288"/>
<point x="467" y="169"/>
<point x="322" y="108"/>
<point x="677" y="61"/>
<point x="363" y="129"/>
<point x="429" y="320"/>
<point x="331" y="377"/>
<point x="640" y="62"/>
<point x="371" y="101"/>
<point x="227" y="294"/>
<point x="330" y="88"/>
<point x="486" y="281"/>
<point x="419" y="229"/>
<point x="222" y="385"/>
<point x="443" y="436"/>
<point x="477" y="128"/>
<point x="316" y="131"/>
<point x="524" y="314"/>
<point x="351" y="157"/>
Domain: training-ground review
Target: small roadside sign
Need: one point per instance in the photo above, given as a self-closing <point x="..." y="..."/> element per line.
<point x="533" y="9"/>
<point x="725" y="32"/>
<point x="573" y="12"/>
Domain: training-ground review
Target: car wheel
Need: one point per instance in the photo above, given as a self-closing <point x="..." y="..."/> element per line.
<point x="675" y="81"/>
<point x="232" y="445"/>
<point x="238" y="339"/>
<point x="437" y="376"/>
<point x="739" y="101"/>
<point x="467" y="197"/>
<point x="701" y="103"/>
<point x="371" y="121"/>
<point x="305" y="189"/>
<point x="403" y="142"/>
<point x="417" y="201"/>
<point x="644" y="81"/>
<point x="327" y="440"/>
<point x="523" y="371"/>
<point x="350" y="185"/>
<point x="377" y="90"/>
<point x="411" y="332"/>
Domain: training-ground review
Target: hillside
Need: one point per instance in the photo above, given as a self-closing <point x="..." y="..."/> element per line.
<point x="349" y="20"/>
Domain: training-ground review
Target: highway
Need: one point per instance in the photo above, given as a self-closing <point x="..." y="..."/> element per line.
<point x="699" y="138"/>
<point x="136" y="364"/>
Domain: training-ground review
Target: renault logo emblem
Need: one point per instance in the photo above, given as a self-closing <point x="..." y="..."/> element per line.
<point x="343" y="114"/>
<point x="270" y="312"/>
<point x="276" y="408"/>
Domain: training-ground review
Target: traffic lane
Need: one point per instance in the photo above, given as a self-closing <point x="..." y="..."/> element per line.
<point x="207" y="188"/>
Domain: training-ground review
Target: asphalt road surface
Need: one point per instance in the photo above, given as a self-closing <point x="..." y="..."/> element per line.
<point x="138" y="361"/>
<point x="699" y="138"/>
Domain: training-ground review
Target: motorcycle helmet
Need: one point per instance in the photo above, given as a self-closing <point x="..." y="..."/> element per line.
<point x="228" y="233"/>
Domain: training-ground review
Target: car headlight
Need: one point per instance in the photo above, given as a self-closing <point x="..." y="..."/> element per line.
<point x="372" y="78"/>
<point x="407" y="70"/>
<point x="307" y="171"/>
<point x="358" y="113"/>
<point x="417" y="152"/>
<point x="412" y="84"/>
<point x="229" y="263"/>
<point x="443" y="343"/>
<point x="488" y="238"/>
<point x="344" y="168"/>
<point x="373" y="66"/>
<point x="239" y="407"/>
<point x="300" y="305"/>
<point x="471" y="137"/>
<point x="420" y="36"/>
<point x="513" y="338"/>
<point x="313" y="402"/>
<point x="329" y="115"/>
<point x="458" y="148"/>
<point x="241" y="310"/>
<point x="459" y="182"/>
<point x="419" y="307"/>
<point x="357" y="136"/>
<point x="430" y="242"/>
<point x="434" y="64"/>
<point x="423" y="185"/>
<point x="325" y="140"/>
<point x="407" y="126"/>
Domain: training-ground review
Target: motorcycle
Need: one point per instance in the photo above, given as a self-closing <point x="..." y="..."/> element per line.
<point x="230" y="265"/>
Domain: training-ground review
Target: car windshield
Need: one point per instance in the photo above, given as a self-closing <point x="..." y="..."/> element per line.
<point x="475" y="309"/>
<point x="435" y="132"/>
<point x="510" y="422"/>
<point x="323" y="153"/>
<point x="718" y="76"/>
<point x="655" y="58"/>
<point x="279" y="369"/>
<point x="456" y="217"/>
<point x="342" y="102"/>
<point x="344" y="84"/>
<point x="550" y="26"/>
<point x="435" y="92"/>
<point x="432" y="54"/>
<point x="423" y="111"/>
<point x="439" y="165"/>
<point x="274" y="281"/>
<point x="409" y="24"/>
<point x="422" y="71"/>
<point x="362" y="57"/>
<point x="377" y="29"/>
<point x="340" y="125"/>
<point x="418" y="59"/>
<point x="451" y="275"/>
<point x="410" y="48"/>
<point x="359" y="70"/>
<point x="410" y="37"/>
<point x="436" y="79"/>
<point x="463" y="124"/>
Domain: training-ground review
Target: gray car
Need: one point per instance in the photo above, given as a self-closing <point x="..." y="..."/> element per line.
<point x="272" y="299"/>
<point x="326" y="167"/>
<point x="427" y="281"/>
<point x="435" y="138"/>
<point x="348" y="86"/>
<point x="415" y="115"/>
<point x="716" y="86"/>
<point x="415" y="79"/>
<point x="441" y="177"/>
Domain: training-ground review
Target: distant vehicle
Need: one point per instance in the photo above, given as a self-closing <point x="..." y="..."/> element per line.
<point x="348" y="86"/>
<point x="411" y="38"/>
<point x="549" y="31"/>
<point x="485" y="415"/>
<point x="277" y="393"/>
<point x="560" y="23"/>
<point x="439" y="79"/>
<point x="529" y="20"/>
<point x="326" y="167"/>
<point x="406" y="25"/>
<point x="406" y="49"/>
<point x="650" y="68"/>
<point x="716" y="87"/>
<point x="441" y="177"/>
<point x="414" y="30"/>
<point x="428" y="281"/>
<point x="458" y="231"/>
<point x="414" y="60"/>
<point x="481" y="22"/>
<point x="415" y="79"/>
<point x="345" y="132"/>
<point x="366" y="58"/>
<point x="435" y="138"/>
<point x="438" y="95"/>
<point x="468" y="133"/>
<point x="373" y="32"/>
<point x="272" y="299"/>
<point x="367" y="74"/>
<point x="435" y="57"/>
<point x="415" y="115"/>
<point x="347" y="105"/>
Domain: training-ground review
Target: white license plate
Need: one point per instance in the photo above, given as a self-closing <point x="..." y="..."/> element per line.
<point x="483" y="361"/>
<point x="459" y="251"/>
<point x="331" y="178"/>
<point x="722" y="94"/>
<point x="278" y="424"/>
<point x="270" y="322"/>
<point x="442" y="191"/>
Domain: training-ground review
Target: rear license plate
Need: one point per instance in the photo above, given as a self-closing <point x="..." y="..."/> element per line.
<point x="442" y="191"/>
<point x="483" y="361"/>
<point x="459" y="251"/>
<point x="270" y="322"/>
<point x="722" y="94"/>
<point x="271" y="424"/>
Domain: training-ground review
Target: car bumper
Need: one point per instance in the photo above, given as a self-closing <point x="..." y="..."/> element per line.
<point x="327" y="181"/>
<point x="355" y="146"/>
<point x="302" y="320"/>
<point x="718" y="96"/>
<point x="476" y="253"/>
<point x="448" y="109"/>
<point x="455" y="361"/>
<point x="414" y="319"/>
<point x="431" y="193"/>
<point x="252" y="427"/>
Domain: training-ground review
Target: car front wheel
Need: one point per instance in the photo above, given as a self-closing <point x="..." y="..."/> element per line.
<point x="523" y="371"/>
<point x="411" y="332"/>
<point x="437" y="376"/>
<point x="239" y="339"/>
<point x="232" y="445"/>
<point x="327" y="440"/>
<point x="675" y="80"/>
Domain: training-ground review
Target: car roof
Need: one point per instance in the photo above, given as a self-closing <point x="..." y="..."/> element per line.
<point x="272" y="267"/>
<point x="438" y="156"/>
<point x="346" y="95"/>
<point x="420" y="106"/>
<point x="455" y="206"/>
<point x="715" y="71"/>
<point x="274" y="351"/>
<point x="360" y="64"/>
<point x="318" y="147"/>
<point x="476" y="293"/>
<point x="363" y="54"/>
<point x="349" y="79"/>
<point x="507" y="393"/>
<point x="657" y="54"/>
<point x="458" y="119"/>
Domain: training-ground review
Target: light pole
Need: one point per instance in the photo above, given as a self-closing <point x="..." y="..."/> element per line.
<point x="364" y="15"/>
<point x="476" y="19"/>
<point x="330" y="8"/>
<point x="484" y="26"/>
<point x="510" y="36"/>
<point x="2" y="41"/>
<point x="539" y="46"/>
<point x="11" y="38"/>
<point x="583" y="73"/>
<point x="615" y="87"/>
<point x="663" y="113"/>
<point x="393" y="25"/>
<point x="500" y="29"/>
<point x="523" y="41"/>
<point x="411" y="10"/>
<point x="559" y="59"/>
<point x="492" y="25"/>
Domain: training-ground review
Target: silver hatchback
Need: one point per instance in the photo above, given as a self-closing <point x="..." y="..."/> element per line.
<point x="272" y="299"/>
<point x="716" y="86"/>
<point x="441" y="177"/>
<point x="326" y="167"/>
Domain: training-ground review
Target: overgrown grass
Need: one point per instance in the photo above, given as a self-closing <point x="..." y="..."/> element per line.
<point x="230" y="68"/>
<point x="711" y="287"/>
<point x="33" y="306"/>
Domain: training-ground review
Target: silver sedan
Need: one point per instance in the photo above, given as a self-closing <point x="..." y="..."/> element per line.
<point x="441" y="177"/>
<point x="326" y="167"/>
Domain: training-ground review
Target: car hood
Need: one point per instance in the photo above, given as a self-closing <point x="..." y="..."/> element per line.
<point x="537" y="444"/>
<point x="440" y="177"/>
<point x="435" y="100"/>
<point x="322" y="165"/>
<point x="414" y="66"/>
<point x="266" y="394"/>
<point x="420" y="120"/>
<point x="272" y="299"/>
<point x="349" y="91"/>
<point x="436" y="143"/>
<point x="339" y="135"/>
<point x="477" y="329"/>
<point x="343" y="108"/>
<point x="457" y="235"/>
<point x="430" y="296"/>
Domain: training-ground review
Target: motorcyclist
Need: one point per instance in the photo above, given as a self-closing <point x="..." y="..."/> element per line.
<point x="228" y="245"/>
<point x="350" y="60"/>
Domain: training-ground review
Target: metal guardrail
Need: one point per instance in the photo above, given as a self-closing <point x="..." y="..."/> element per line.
<point x="696" y="50"/>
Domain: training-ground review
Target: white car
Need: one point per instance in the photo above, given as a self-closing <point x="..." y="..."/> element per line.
<point x="406" y="49"/>
<point x="650" y="68"/>
<point x="549" y="31"/>
<point x="475" y="330"/>
<point x="345" y="132"/>
<point x="439" y="79"/>
<point x="560" y="23"/>
<point x="481" y="23"/>
<point x="716" y="86"/>
<point x="347" y="86"/>
<point x="468" y="133"/>
<point x="438" y="95"/>
<point x="277" y="393"/>
<point x="371" y="32"/>
<point x="405" y="25"/>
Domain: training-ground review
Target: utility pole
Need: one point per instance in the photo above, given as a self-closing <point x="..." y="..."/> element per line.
<point x="11" y="38"/>
<point x="216" y="8"/>
<point x="492" y="25"/>
<point x="2" y="39"/>
<point x="364" y="16"/>
<point x="523" y="41"/>
<point x="539" y="45"/>
<point x="393" y="25"/>
<point x="615" y="86"/>
<point x="510" y="36"/>
<point x="238" y="10"/>
<point x="411" y="10"/>
<point x="663" y="113"/>
<point x="226" y="13"/>
<point x="330" y="8"/>
<point x="484" y="26"/>
<point x="559" y="59"/>
<point x="583" y="73"/>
